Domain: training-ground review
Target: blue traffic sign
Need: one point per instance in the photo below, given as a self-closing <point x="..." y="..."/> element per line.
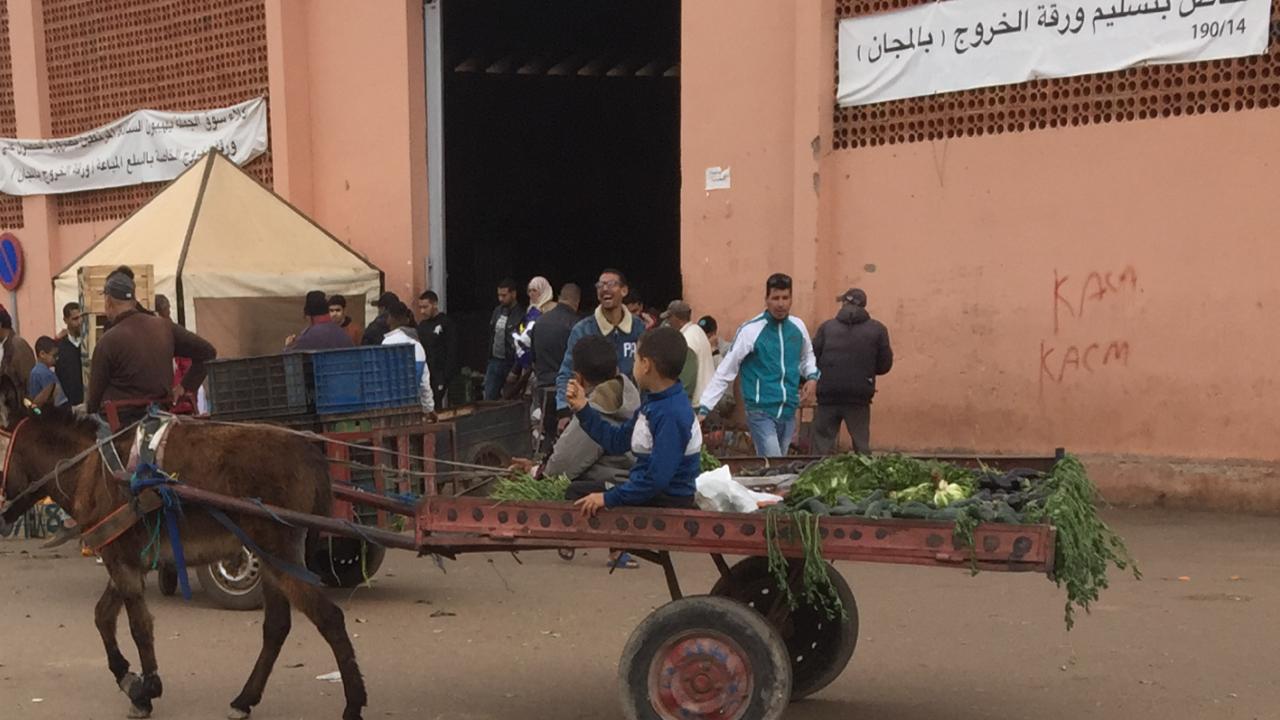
<point x="10" y="261"/>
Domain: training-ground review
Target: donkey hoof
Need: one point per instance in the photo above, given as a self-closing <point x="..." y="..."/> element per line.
<point x="137" y="712"/>
<point x="128" y="682"/>
<point x="237" y="714"/>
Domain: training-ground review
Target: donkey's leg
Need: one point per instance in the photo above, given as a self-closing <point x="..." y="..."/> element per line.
<point x="105" y="616"/>
<point x="127" y="578"/>
<point x="276" y="622"/>
<point x="328" y="619"/>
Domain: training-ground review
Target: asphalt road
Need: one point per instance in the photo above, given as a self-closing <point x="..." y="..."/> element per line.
<point x="491" y="638"/>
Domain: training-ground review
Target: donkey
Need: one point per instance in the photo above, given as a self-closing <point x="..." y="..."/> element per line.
<point x="256" y="461"/>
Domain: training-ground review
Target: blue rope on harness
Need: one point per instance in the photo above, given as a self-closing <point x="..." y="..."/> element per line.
<point x="150" y="477"/>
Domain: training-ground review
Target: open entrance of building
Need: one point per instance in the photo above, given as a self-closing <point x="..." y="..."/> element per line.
<point x="561" y="147"/>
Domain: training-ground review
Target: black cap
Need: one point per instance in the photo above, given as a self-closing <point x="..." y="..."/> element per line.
<point x="386" y="300"/>
<point x="854" y="296"/>
<point x="119" y="286"/>
<point x="316" y="304"/>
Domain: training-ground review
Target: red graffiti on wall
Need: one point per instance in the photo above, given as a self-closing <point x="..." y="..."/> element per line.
<point x="1076" y="359"/>
<point x="1059" y="362"/>
<point x="1096" y="288"/>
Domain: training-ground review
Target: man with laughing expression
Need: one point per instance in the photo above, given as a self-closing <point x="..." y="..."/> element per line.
<point x="611" y="321"/>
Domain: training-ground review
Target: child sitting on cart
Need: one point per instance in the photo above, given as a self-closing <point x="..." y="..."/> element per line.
<point x="615" y="397"/>
<point x="663" y="435"/>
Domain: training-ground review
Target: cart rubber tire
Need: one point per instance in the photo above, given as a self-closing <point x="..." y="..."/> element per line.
<point x="167" y="577"/>
<point x="819" y="648"/>
<point x="343" y="569"/>
<point x="232" y="584"/>
<point x="704" y="657"/>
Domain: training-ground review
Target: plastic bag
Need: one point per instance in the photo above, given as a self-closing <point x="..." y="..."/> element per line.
<point x="717" y="491"/>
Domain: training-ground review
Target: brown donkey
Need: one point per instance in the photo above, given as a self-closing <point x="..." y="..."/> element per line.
<point x="243" y="461"/>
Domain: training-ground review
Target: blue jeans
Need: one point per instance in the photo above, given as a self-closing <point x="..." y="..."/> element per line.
<point x="770" y="434"/>
<point x="495" y="376"/>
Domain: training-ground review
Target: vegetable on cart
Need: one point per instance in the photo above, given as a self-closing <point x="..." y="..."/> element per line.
<point x="896" y="486"/>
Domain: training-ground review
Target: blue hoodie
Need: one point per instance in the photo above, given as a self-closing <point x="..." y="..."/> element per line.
<point x="666" y="440"/>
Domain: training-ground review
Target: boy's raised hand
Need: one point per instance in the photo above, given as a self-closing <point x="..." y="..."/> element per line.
<point x="575" y="395"/>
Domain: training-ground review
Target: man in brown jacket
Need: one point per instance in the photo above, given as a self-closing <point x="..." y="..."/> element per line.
<point x="134" y="359"/>
<point x="16" y="356"/>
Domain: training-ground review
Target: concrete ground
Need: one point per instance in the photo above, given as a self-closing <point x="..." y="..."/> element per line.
<point x="491" y="638"/>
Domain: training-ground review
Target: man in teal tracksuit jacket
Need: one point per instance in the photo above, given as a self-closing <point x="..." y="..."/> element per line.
<point x="778" y="368"/>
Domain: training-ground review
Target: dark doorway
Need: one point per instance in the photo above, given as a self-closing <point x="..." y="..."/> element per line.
<point x="562" y="149"/>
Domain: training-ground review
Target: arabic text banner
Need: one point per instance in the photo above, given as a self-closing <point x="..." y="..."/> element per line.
<point x="144" y="146"/>
<point x="964" y="44"/>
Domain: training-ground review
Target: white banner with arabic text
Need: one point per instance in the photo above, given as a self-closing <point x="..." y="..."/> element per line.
<point x="964" y="44"/>
<point x="142" y="147"/>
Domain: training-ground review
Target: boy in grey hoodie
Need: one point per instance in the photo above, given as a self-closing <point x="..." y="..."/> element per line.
<point x="614" y="396"/>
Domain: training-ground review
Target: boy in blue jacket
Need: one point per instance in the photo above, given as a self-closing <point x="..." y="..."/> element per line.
<point x="663" y="435"/>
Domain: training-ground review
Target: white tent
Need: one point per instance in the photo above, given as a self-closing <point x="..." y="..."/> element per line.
<point x="234" y="258"/>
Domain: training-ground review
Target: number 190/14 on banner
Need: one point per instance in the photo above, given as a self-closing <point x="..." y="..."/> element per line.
<point x="1217" y="28"/>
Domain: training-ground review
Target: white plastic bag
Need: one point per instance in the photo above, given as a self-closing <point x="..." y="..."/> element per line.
<point x="717" y="491"/>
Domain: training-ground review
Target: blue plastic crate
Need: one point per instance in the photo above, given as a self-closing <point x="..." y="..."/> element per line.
<point x="258" y="387"/>
<point x="364" y="378"/>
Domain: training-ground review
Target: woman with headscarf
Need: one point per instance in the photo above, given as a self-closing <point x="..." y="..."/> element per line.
<point x="541" y="299"/>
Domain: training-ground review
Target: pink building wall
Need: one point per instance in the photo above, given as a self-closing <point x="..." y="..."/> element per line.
<point x="348" y="134"/>
<point x="351" y="100"/>
<point x="1135" y="259"/>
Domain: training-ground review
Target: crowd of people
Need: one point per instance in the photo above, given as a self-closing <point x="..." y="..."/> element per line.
<point x="431" y="334"/>
<point x="771" y="360"/>
<point x="620" y="394"/>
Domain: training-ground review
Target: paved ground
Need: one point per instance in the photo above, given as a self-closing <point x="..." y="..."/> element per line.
<point x="541" y="640"/>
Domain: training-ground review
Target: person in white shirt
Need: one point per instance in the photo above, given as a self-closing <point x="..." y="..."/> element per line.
<point x="680" y="316"/>
<point x="398" y="318"/>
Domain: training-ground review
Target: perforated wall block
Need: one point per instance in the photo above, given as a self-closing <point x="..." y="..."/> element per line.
<point x="108" y="58"/>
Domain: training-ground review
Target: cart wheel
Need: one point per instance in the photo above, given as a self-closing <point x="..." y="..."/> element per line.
<point x="234" y="583"/>
<point x="818" y="646"/>
<point x="168" y="577"/>
<point x="342" y="566"/>
<point x="567" y="554"/>
<point x="702" y="658"/>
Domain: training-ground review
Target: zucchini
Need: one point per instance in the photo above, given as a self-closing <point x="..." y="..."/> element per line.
<point x="815" y="506"/>
<point x="913" y="511"/>
<point x="947" y="513"/>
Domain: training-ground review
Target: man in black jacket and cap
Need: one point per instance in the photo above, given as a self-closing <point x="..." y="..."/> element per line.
<point x="852" y="350"/>
<point x="374" y="333"/>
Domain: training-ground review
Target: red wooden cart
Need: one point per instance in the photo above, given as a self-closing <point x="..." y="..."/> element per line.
<point x="739" y="651"/>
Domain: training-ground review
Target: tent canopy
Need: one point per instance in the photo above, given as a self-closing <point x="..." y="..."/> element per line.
<point x="234" y="258"/>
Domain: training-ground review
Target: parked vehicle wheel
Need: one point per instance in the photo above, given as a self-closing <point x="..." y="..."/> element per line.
<point x="819" y="647"/>
<point x="704" y="657"/>
<point x="167" y="576"/>
<point x="234" y="583"/>
<point x="338" y="561"/>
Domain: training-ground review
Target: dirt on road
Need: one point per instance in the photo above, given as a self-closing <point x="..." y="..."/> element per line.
<point x="493" y="638"/>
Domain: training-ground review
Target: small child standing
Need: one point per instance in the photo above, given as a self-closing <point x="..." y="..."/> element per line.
<point x="43" y="387"/>
<point x="663" y="435"/>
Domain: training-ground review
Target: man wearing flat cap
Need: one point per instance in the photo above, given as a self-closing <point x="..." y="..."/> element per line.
<point x="852" y="349"/>
<point x="134" y="358"/>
